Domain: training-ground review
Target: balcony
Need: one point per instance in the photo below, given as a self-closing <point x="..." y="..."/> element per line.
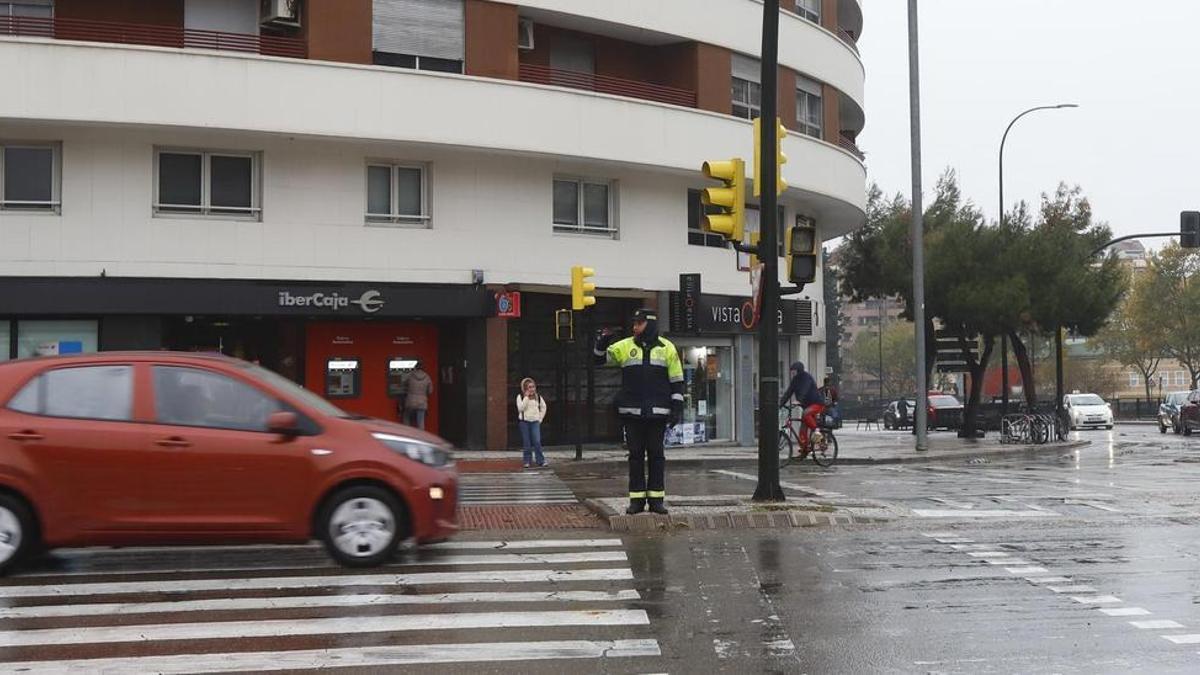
<point x="848" y="39"/>
<point x="153" y="35"/>
<point x="605" y="84"/>
<point x="851" y="147"/>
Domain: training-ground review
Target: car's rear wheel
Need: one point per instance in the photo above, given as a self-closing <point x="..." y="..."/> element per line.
<point x="361" y="526"/>
<point x="17" y="534"/>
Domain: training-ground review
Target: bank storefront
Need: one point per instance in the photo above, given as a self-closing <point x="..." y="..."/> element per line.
<point x="354" y="343"/>
<point x="716" y="337"/>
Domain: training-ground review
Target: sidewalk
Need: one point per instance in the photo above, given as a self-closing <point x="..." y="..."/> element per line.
<point x="855" y="447"/>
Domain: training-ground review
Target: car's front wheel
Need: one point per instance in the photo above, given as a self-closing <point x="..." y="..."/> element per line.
<point x="361" y="526"/>
<point x="1162" y="428"/>
<point x="17" y="535"/>
<point x="1187" y="430"/>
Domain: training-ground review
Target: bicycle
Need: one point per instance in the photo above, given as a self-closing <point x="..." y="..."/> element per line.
<point x="824" y="444"/>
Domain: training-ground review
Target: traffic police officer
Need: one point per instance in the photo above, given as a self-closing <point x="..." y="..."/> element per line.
<point x="651" y="397"/>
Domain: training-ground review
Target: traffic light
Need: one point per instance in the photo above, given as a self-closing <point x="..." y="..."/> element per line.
<point x="564" y="325"/>
<point x="1189" y="229"/>
<point x="731" y="199"/>
<point x="780" y="158"/>
<point x="581" y="288"/>
<point x="802" y="254"/>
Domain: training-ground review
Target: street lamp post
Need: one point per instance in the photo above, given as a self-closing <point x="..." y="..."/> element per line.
<point x="1004" y="338"/>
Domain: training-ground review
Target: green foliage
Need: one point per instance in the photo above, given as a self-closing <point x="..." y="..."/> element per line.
<point x="899" y="357"/>
<point x="1134" y="335"/>
<point x="1169" y="311"/>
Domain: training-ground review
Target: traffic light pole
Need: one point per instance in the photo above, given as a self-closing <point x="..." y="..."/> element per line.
<point x="768" y="328"/>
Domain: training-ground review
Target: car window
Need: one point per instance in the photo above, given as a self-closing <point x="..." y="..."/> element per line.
<point x="87" y="392"/>
<point x="201" y="398"/>
<point x="943" y="401"/>
<point x="1087" y="399"/>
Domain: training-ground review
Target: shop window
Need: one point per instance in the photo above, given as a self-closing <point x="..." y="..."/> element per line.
<point x="697" y="236"/>
<point x="5" y="340"/>
<point x="583" y="206"/>
<point x="208" y="183"/>
<point x="30" y="176"/>
<point x="50" y="338"/>
<point x="43" y="9"/>
<point x="397" y="194"/>
<point x="93" y="392"/>
<point x="199" y="398"/>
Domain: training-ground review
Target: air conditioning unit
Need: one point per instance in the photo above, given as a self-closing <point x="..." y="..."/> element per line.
<point x="525" y="34"/>
<point x="279" y="12"/>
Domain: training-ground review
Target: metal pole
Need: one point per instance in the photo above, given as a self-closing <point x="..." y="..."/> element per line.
<point x="768" y="328"/>
<point x="918" y="225"/>
<point x="1003" y="139"/>
<point x="880" y="349"/>
<point x="1058" y="369"/>
<point x="578" y="398"/>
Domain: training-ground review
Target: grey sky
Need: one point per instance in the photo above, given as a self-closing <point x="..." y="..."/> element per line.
<point x="1131" y="66"/>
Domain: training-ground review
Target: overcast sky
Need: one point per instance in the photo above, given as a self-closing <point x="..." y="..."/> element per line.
<point x="1133" y="67"/>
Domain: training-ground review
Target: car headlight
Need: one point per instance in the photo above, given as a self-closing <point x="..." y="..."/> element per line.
<point x="418" y="451"/>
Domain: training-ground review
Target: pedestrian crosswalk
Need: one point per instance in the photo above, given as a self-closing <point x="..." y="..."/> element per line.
<point x="492" y="602"/>
<point x="531" y="487"/>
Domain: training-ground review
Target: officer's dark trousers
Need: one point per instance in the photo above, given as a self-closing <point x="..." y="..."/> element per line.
<point x="645" y="437"/>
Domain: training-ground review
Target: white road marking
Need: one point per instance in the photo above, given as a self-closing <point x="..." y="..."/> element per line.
<point x="970" y="547"/>
<point x="987" y="554"/>
<point x="332" y="626"/>
<point x="1009" y="561"/>
<point x="1156" y="624"/>
<point x="1125" y="611"/>
<point x="309" y="601"/>
<point x="1183" y="639"/>
<point x="532" y="543"/>
<point x="185" y="585"/>
<point x="791" y="486"/>
<point x="935" y="535"/>
<point x="1096" y="599"/>
<point x="502" y="502"/>
<point x="982" y="513"/>
<point x="1027" y="570"/>
<point x="954" y="540"/>
<point x="525" y="559"/>
<point x="1081" y="588"/>
<point x="1047" y="580"/>
<point x="360" y="657"/>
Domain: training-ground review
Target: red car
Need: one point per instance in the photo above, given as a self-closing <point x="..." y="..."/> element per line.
<point x="120" y="449"/>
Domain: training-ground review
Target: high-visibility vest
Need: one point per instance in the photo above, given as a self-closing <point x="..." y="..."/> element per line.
<point x="651" y="379"/>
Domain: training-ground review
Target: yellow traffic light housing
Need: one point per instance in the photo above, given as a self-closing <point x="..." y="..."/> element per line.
<point x="801" y="254"/>
<point x="731" y="199"/>
<point x="780" y="158"/>
<point x="581" y="288"/>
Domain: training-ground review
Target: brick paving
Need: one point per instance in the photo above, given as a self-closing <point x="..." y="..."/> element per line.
<point x="540" y="516"/>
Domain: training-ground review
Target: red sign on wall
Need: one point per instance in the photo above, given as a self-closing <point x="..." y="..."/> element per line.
<point x="508" y="305"/>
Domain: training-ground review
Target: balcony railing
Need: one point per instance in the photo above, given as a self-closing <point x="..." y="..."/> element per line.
<point x="849" y="145"/>
<point x="148" y="34"/>
<point x="607" y="85"/>
<point x="848" y="39"/>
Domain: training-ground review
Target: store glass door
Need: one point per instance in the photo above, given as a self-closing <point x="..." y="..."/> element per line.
<point x="708" y="391"/>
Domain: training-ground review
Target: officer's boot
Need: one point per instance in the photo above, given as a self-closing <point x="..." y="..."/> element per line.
<point x="657" y="506"/>
<point x="636" y="506"/>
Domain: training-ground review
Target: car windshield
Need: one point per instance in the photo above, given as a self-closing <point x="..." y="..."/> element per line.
<point x="296" y="391"/>
<point x="943" y="401"/>
<point x="1087" y="399"/>
<point x="1177" y="397"/>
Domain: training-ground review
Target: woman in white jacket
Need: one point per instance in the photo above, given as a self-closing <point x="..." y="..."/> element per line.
<point x="531" y="410"/>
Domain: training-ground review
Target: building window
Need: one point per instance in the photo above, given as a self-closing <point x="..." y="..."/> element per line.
<point x="810" y="114"/>
<point x="417" y="62"/>
<point x="420" y="34"/>
<point x="809" y="9"/>
<point x="207" y="183"/>
<point x="583" y="206"/>
<point x="30" y="176"/>
<point x="36" y="8"/>
<point x="1134" y="380"/>
<point x="1180" y="378"/>
<point x="697" y="236"/>
<point x="747" y="98"/>
<point x="397" y="194"/>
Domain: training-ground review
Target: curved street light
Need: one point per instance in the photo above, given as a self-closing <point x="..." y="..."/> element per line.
<point x="1004" y="338"/>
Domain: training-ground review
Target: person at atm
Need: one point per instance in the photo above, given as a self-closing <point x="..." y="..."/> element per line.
<point x="418" y="387"/>
<point x="651" y="397"/>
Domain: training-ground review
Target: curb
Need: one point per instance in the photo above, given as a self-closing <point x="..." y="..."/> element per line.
<point x="649" y="522"/>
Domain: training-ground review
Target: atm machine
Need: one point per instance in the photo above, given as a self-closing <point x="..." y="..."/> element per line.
<point x="398" y="368"/>
<point x="343" y="378"/>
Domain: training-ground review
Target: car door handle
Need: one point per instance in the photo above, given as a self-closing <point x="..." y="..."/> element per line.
<point x="174" y="442"/>
<point x="26" y="436"/>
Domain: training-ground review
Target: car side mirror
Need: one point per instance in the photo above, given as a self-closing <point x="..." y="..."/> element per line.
<point x="284" y="423"/>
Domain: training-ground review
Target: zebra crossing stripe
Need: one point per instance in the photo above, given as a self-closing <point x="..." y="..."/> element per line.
<point x="502" y="502"/>
<point x="274" y="628"/>
<point x="525" y="559"/>
<point x="361" y="657"/>
<point x="518" y="545"/>
<point x="310" y="602"/>
<point x="269" y="583"/>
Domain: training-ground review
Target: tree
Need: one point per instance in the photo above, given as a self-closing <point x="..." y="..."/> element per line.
<point x="1133" y="336"/>
<point x="1171" y="285"/>
<point x="1089" y="375"/>
<point x="899" y="357"/>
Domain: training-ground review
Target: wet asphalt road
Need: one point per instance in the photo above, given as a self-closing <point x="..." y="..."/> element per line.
<point x="1084" y="562"/>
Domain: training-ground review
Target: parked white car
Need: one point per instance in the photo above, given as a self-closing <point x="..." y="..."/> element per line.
<point x="1088" y="410"/>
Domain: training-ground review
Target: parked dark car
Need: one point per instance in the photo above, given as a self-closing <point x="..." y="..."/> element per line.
<point x="945" y="411"/>
<point x="1189" y="414"/>
<point x="891" y="416"/>
<point x="1168" y="411"/>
